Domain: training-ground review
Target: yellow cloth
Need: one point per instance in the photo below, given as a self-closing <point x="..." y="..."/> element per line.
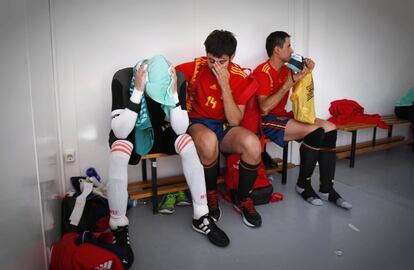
<point x="302" y="99"/>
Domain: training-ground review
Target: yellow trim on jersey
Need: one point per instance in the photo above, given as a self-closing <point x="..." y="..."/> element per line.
<point x="274" y="125"/>
<point x="199" y="62"/>
<point x="238" y="71"/>
<point x="266" y="69"/>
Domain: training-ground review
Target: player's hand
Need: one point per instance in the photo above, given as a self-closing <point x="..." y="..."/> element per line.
<point x="222" y="75"/>
<point x="310" y="64"/>
<point x="141" y="76"/>
<point x="292" y="79"/>
<point x="298" y="76"/>
<point x="174" y="80"/>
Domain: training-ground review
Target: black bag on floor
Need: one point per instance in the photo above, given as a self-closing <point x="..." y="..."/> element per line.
<point x="93" y="217"/>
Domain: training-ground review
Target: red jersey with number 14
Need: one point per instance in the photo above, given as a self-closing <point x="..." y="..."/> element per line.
<point x="204" y="92"/>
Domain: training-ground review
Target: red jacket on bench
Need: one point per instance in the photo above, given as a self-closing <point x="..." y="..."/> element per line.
<point x="344" y="111"/>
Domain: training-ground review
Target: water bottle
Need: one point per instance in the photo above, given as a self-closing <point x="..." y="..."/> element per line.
<point x="296" y="63"/>
<point x="94" y="177"/>
<point x="91" y="172"/>
<point x="134" y="203"/>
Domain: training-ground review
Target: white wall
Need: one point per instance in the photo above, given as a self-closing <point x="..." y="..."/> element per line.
<point x="30" y="183"/>
<point x="96" y="38"/>
<point x="364" y="52"/>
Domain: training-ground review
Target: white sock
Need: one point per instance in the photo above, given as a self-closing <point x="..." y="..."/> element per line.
<point x="117" y="186"/>
<point x="194" y="174"/>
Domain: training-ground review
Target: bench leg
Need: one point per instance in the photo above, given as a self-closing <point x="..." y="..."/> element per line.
<point x="154" y="185"/>
<point x="144" y="170"/>
<point x="374" y="136"/>
<point x="284" y="164"/>
<point x="390" y="131"/>
<point x="353" y="149"/>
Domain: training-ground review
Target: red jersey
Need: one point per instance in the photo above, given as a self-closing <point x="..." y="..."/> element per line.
<point x="204" y="92"/>
<point x="270" y="81"/>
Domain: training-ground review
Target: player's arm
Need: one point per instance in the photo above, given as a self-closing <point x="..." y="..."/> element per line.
<point x="233" y="112"/>
<point x="179" y="116"/>
<point x="124" y="116"/>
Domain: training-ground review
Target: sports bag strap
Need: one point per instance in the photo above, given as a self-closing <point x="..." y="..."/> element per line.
<point x="261" y="135"/>
<point x="77" y="212"/>
<point x="276" y="196"/>
<point x="200" y="65"/>
<point x="251" y="88"/>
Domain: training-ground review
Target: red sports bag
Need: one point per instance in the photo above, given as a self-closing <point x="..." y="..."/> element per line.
<point x="73" y="253"/>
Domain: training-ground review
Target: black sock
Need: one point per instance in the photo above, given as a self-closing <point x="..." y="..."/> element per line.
<point x="247" y="177"/>
<point x="211" y="172"/>
<point x="327" y="161"/>
<point x="309" y="153"/>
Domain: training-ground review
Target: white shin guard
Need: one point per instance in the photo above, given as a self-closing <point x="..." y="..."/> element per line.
<point x="194" y="174"/>
<point x="117" y="186"/>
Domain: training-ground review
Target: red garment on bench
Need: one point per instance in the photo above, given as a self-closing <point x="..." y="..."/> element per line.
<point x="344" y="111"/>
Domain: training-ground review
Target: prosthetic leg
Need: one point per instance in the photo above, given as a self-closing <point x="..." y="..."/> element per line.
<point x="327" y="164"/>
<point x="117" y="189"/>
<point x="309" y="153"/>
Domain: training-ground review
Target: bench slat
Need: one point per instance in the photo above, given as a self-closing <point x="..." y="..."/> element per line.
<point x="354" y="126"/>
<point x="161" y="182"/>
<point x="371" y="149"/>
<point x="142" y="190"/>
<point x="388" y="119"/>
<point x="395" y="121"/>
<point x="142" y="194"/>
<point x="155" y="155"/>
<point x="345" y="148"/>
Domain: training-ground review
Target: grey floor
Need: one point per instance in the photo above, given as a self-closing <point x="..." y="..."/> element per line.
<point x="376" y="234"/>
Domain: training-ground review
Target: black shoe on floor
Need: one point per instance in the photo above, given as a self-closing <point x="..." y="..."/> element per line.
<point x="207" y="226"/>
<point x="247" y="210"/>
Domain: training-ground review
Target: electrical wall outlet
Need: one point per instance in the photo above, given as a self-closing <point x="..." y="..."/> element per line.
<point x="69" y="155"/>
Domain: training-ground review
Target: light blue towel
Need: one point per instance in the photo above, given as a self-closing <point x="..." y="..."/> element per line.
<point x="158" y="88"/>
<point x="407" y="99"/>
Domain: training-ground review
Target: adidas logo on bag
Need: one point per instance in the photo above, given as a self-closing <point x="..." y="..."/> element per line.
<point x="104" y="266"/>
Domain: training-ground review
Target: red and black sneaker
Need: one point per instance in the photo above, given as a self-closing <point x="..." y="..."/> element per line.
<point x="247" y="210"/>
<point x="213" y="207"/>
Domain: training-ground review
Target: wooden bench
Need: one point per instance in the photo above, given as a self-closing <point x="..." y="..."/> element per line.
<point x="160" y="186"/>
<point x="350" y="151"/>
